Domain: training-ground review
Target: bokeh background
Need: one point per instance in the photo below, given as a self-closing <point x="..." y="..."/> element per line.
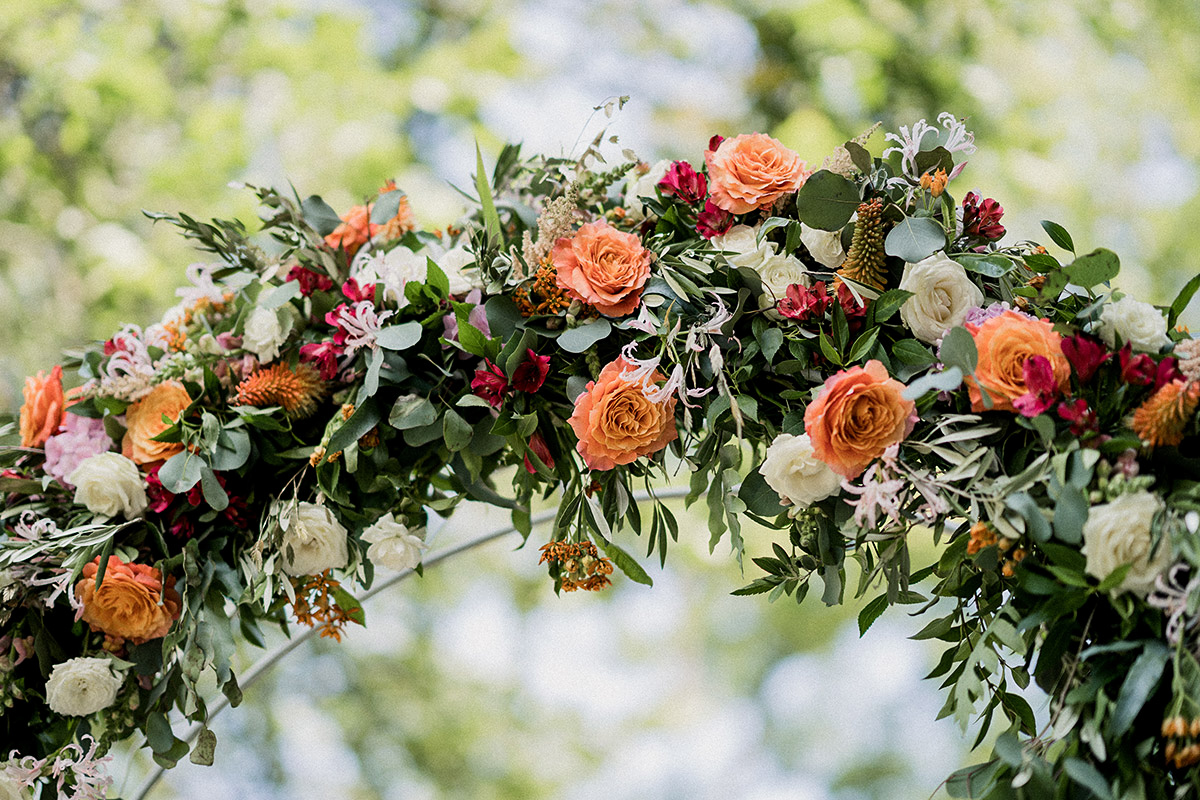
<point x="476" y="682"/>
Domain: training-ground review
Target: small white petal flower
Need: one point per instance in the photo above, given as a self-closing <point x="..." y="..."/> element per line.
<point x="393" y="545"/>
<point x="82" y="686"/>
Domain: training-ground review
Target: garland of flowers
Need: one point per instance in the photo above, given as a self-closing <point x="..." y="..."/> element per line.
<point x="843" y="355"/>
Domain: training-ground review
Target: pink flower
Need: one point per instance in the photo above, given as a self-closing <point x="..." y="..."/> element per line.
<point x="1042" y="386"/>
<point x="982" y="219"/>
<point x="80" y="438"/>
<point x="310" y="281"/>
<point x="537" y="443"/>
<point x="490" y="384"/>
<point x="355" y="293"/>
<point x="1139" y="370"/>
<point x="684" y="182"/>
<point x="1082" y="418"/>
<point x="1086" y="354"/>
<point x="531" y="373"/>
<point x="713" y="221"/>
<point x="1167" y="372"/>
<point x="324" y="355"/>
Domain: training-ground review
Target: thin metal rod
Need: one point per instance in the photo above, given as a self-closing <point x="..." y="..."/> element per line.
<point x="268" y="662"/>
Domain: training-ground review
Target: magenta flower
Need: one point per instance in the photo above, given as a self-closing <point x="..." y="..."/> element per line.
<point x="1139" y="370"/>
<point x="1086" y="354"/>
<point x="804" y="305"/>
<point x="1082" y="418"/>
<point x="684" y="182"/>
<point x="1039" y="378"/>
<point x="713" y="221"/>
<point x="309" y="280"/>
<point x="490" y="384"/>
<point x="982" y="219"/>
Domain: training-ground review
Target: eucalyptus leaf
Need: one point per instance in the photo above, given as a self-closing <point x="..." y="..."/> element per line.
<point x="320" y="215"/>
<point x="827" y="201"/>
<point x="914" y="239"/>
<point x="579" y="340"/>
<point x="399" y="337"/>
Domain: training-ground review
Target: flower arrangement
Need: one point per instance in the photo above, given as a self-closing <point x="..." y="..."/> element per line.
<point x="847" y="356"/>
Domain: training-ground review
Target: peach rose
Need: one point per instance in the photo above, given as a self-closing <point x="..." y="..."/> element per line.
<point x="1004" y="344"/>
<point x="752" y="171"/>
<point x="43" y="408"/>
<point x="144" y="421"/>
<point x="130" y="603"/>
<point x="616" y="422"/>
<point x="603" y="267"/>
<point x="858" y="414"/>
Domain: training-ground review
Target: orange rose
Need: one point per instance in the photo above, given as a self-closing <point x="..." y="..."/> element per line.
<point x="616" y="423"/>
<point x="1004" y="344"/>
<point x="752" y="171"/>
<point x="603" y="267"/>
<point x="43" y="408"/>
<point x="859" y="413"/>
<point x="130" y="603"/>
<point x="144" y="421"/>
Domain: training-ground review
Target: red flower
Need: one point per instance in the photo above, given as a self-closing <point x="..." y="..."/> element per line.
<point x="1082" y="418"/>
<point x="1039" y="379"/>
<point x="1086" y="354"/>
<point x="713" y="221"/>
<point x="490" y="384"/>
<point x="158" y="495"/>
<point x="310" y="281"/>
<point x="1168" y="372"/>
<point x="1140" y="369"/>
<point x="855" y="311"/>
<point x="804" y="305"/>
<point x="531" y="374"/>
<point x="982" y="219"/>
<point x="537" y="444"/>
<point x="715" y="142"/>
<point x="684" y="182"/>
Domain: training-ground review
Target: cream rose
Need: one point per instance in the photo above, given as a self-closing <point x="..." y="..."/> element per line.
<point x="1119" y="533"/>
<point x="109" y="484"/>
<point x="942" y="296"/>
<point x="639" y="186"/>
<point x="742" y="248"/>
<point x="1140" y="324"/>
<point x="824" y="246"/>
<point x="82" y="686"/>
<point x="796" y="474"/>
<point x="313" y="542"/>
<point x="452" y="263"/>
<point x="264" y="334"/>
<point x="394" y="269"/>
<point x="393" y="545"/>
<point x="778" y="273"/>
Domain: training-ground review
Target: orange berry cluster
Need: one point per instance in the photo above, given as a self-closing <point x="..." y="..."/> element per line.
<point x="315" y="604"/>
<point x="542" y="295"/>
<point x="581" y="566"/>
<point x="984" y="535"/>
<point x="1183" y="747"/>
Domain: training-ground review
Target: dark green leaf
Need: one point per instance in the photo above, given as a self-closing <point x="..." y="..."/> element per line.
<point x="914" y="239"/>
<point x="1086" y="775"/>
<point x="503" y="316"/>
<point x="1058" y="235"/>
<point x="910" y="351"/>
<point x="491" y="219"/>
<point x="1094" y="268"/>
<point x="860" y="157"/>
<point x="319" y="215"/>
<point x="888" y="303"/>
<point x="1182" y="299"/>
<point x="364" y="418"/>
<point x="456" y="431"/>
<point x="214" y="495"/>
<point x="870" y="613"/>
<point x="1140" y="682"/>
<point x="412" y="411"/>
<point x="627" y="564"/>
<point x="988" y="264"/>
<point x="1029" y="510"/>
<point x="826" y="201"/>
<point x="760" y="498"/>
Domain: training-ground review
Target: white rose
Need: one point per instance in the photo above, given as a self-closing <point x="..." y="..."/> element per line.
<point x="263" y="334"/>
<point x="796" y="474"/>
<point x="1119" y="533"/>
<point x="313" y="542"/>
<point x="639" y="186"/>
<point x="742" y="248"/>
<point x="824" y="246"/>
<point x="393" y="545"/>
<point x="109" y="484"/>
<point x="452" y="263"/>
<point x="942" y="296"/>
<point x="82" y="686"/>
<point x="1140" y="324"/>
<point x="10" y="789"/>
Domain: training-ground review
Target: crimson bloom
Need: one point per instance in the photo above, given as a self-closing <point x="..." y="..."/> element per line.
<point x="713" y="221"/>
<point x="532" y="372"/>
<point x="684" y="182"/>
<point x="982" y="219"/>
<point x="354" y="293"/>
<point x="490" y="384"/>
<point x="1167" y="372"/>
<point x="1040" y="380"/>
<point x="537" y="443"/>
<point x="324" y="355"/>
<point x="1086" y="354"/>
<point x="309" y="280"/>
<point x="1083" y="419"/>
<point x="1139" y="370"/>
<point x="803" y="304"/>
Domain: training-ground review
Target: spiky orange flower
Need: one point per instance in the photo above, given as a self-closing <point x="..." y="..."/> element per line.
<point x="865" y="261"/>
<point x="296" y="390"/>
<point x="579" y="564"/>
<point x="1162" y="419"/>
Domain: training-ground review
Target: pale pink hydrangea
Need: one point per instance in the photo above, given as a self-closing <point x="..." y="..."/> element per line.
<point x="80" y="438"/>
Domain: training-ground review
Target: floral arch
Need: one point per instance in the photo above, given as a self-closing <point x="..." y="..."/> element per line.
<point x="841" y="354"/>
